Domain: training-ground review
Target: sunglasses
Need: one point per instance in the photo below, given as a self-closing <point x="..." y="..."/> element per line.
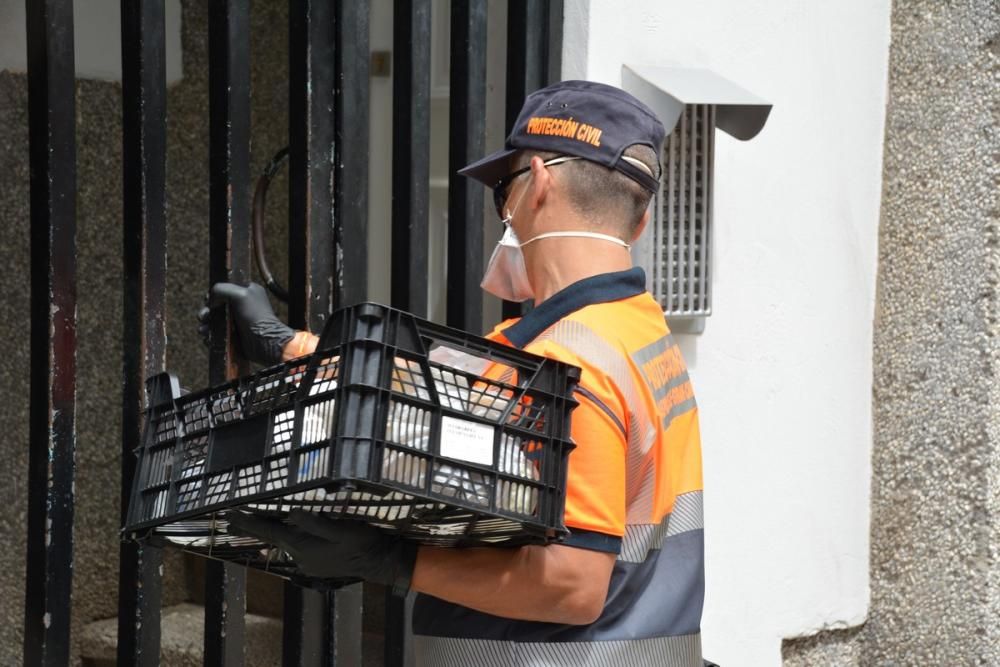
<point x="500" y="190"/>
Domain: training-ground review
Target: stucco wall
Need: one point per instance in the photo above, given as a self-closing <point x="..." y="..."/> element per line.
<point x="783" y="369"/>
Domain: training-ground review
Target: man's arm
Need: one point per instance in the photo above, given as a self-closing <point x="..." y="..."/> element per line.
<point x="554" y="583"/>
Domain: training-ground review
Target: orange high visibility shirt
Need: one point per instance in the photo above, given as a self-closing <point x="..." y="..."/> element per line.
<point x="634" y="488"/>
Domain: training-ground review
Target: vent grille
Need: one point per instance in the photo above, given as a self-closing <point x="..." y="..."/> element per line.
<point x="681" y="280"/>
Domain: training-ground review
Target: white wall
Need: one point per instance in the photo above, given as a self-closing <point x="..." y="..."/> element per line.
<point x="380" y="159"/>
<point x="96" y="38"/>
<point x="783" y="370"/>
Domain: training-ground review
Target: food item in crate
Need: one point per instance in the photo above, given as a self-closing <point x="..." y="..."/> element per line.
<point x="468" y="485"/>
<point x="404" y="464"/>
<point x="408" y="425"/>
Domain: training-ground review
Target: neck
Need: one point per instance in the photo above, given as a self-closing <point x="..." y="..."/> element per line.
<point x="556" y="263"/>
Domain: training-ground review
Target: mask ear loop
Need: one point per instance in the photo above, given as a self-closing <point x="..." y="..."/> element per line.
<point x="640" y="164"/>
<point x="548" y="163"/>
<point x="511" y="212"/>
<point x="586" y="235"/>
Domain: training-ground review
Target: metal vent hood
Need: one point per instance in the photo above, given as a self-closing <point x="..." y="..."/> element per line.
<point x="666" y="90"/>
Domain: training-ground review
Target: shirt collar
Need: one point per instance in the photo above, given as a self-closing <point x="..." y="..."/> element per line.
<point x="601" y="288"/>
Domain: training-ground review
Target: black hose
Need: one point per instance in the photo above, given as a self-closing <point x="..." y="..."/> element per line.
<point x="259" y="203"/>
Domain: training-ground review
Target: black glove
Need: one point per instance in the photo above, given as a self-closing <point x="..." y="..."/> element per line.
<point x="334" y="548"/>
<point x="262" y="335"/>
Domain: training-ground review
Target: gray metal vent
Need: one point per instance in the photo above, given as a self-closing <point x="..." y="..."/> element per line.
<point x="682" y="217"/>
<point x="677" y="250"/>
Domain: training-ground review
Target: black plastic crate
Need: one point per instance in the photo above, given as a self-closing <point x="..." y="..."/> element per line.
<point x="445" y="437"/>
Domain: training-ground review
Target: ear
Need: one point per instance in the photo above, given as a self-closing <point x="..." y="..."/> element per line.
<point x="541" y="183"/>
<point x="643" y="221"/>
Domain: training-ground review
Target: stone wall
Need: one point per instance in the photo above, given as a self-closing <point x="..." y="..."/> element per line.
<point x="14" y="319"/>
<point x="935" y="598"/>
<point x="99" y="243"/>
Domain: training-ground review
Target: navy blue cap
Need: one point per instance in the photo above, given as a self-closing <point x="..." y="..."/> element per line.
<point x="590" y="120"/>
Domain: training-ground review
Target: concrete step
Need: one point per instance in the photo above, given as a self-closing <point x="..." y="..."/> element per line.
<point x="182" y="636"/>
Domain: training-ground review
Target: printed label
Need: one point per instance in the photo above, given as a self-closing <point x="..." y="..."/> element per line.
<point x="466" y="440"/>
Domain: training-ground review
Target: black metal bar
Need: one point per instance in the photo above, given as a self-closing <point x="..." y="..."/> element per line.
<point x="554" y="41"/>
<point x="410" y="153"/>
<point x="351" y="149"/>
<point x="534" y="50"/>
<point x="394" y="630"/>
<point x="229" y="260"/>
<point x="305" y="628"/>
<point x="534" y="39"/>
<point x="345" y="622"/>
<point x="527" y="55"/>
<point x="466" y="143"/>
<point x="311" y="82"/>
<point x="351" y="102"/>
<point x="304" y="631"/>
<point x="52" y="430"/>
<point x="225" y="610"/>
<point x="327" y="248"/>
<point x="144" y="106"/>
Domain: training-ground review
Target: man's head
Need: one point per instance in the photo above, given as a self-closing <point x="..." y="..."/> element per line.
<point x="617" y="137"/>
<point x="603" y="197"/>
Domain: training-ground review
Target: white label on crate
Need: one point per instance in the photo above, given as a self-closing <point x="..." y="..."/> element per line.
<point x="466" y="440"/>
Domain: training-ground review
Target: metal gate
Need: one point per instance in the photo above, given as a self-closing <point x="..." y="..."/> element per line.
<point x="328" y="73"/>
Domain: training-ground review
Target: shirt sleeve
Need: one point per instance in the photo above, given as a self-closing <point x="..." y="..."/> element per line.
<point x="595" y="480"/>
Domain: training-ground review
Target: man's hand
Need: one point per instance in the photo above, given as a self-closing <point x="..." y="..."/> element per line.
<point x="334" y="549"/>
<point x="262" y="335"/>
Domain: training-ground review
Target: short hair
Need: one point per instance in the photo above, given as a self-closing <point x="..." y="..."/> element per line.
<point x="601" y="193"/>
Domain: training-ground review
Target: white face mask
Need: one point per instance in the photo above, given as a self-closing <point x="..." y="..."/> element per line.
<point x="506" y="275"/>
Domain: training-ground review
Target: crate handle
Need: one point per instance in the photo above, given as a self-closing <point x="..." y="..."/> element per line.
<point x="161" y="388"/>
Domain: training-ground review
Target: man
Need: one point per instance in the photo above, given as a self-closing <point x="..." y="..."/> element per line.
<point x="574" y="180"/>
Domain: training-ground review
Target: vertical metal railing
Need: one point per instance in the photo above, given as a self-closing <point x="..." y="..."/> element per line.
<point x="328" y="205"/>
<point x="229" y="260"/>
<point x="351" y="106"/>
<point x="328" y="238"/>
<point x="144" y="259"/>
<point x="466" y="143"/>
<point x="305" y="624"/>
<point x="311" y="83"/>
<point x="350" y="276"/>
<point x="52" y="429"/>
<point x="527" y="55"/>
<point x="534" y="60"/>
<point x="411" y="131"/>
<point x="534" y="50"/>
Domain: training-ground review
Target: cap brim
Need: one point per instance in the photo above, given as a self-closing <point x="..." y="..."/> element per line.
<point x="491" y="168"/>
